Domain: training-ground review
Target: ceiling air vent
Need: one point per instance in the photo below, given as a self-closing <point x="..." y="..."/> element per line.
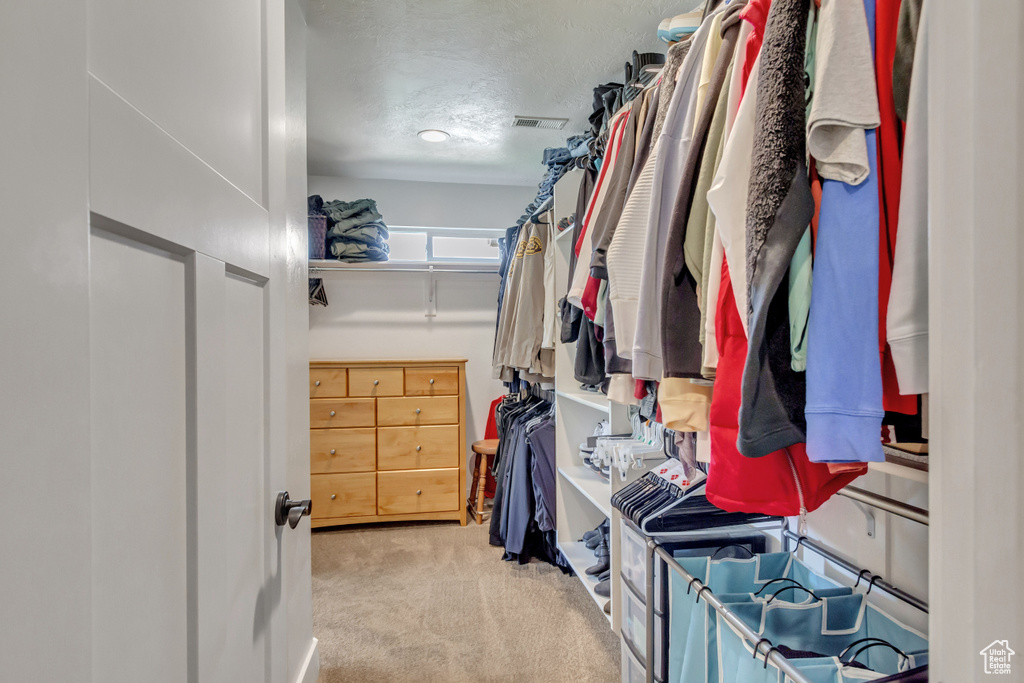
<point x="538" y="122"/>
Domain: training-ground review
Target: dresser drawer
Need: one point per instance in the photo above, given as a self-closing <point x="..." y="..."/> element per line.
<point x="341" y="412"/>
<point x="400" y="493"/>
<point x="417" y="448"/>
<point x="342" y="450"/>
<point x="415" y="411"/>
<point x="328" y="383"/>
<point x="375" y="381"/>
<point x="343" y="495"/>
<point x="431" y="381"/>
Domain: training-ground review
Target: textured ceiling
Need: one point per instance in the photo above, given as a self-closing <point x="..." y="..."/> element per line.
<point x="381" y="70"/>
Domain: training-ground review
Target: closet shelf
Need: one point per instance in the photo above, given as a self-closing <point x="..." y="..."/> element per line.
<point x="319" y="266"/>
<point x="592" y="485"/>
<point x="899" y="470"/>
<point x="580" y="557"/>
<point x="562" y="235"/>
<point x="595" y="400"/>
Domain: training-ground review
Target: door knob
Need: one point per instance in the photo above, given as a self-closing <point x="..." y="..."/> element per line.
<point x="291" y="511"/>
<point x="417" y="411"/>
<point x="431" y="381"/>
<point x="332" y="451"/>
<point x="317" y="383"/>
<point x="376" y="382"/>
<point x="419" y="448"/>
<point x="419" y="492"/>
<point x="332" y="413"/>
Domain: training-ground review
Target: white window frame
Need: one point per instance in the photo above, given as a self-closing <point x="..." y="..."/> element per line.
<point x="485" y="233"/>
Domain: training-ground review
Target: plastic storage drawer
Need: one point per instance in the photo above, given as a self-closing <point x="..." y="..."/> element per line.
<point x="634" y="627"/>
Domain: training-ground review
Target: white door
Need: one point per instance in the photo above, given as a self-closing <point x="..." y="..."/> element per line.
<point x="152" y="352"/>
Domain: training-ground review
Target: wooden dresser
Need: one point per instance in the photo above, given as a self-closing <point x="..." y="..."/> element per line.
<point x="387" y="440"/>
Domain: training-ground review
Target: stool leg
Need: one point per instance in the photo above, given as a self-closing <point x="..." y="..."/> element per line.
<point x="481" y="461"/>
<point x="472" y="488"/>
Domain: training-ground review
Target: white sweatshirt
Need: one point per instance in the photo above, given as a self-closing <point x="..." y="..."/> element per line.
<point x="907" y="319"/>
<point x="673" y="143"/>
<point x="625" y="258"/>
<point x="728" y="194"/>
<point x="710" y="361"/>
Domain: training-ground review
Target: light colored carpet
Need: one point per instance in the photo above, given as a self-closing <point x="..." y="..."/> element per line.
<point x="433" y="602"/>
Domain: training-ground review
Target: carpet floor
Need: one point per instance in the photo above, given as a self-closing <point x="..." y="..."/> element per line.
<point x="434" y="602"/>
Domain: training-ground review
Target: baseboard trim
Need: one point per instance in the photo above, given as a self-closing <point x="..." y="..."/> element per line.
<point x="311" y="667"/>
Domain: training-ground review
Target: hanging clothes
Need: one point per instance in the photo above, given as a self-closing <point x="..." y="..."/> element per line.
<point x="523" y="519"/>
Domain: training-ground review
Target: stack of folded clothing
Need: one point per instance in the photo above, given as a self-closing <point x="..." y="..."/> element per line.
<point x="355" y="231"/>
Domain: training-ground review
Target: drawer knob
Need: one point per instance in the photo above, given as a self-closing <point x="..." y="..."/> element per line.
<point x="317" y="383"/>
<point x="333" y="496"/>
<point x="431" y="380"/>
<point x="332" y="451"/>
<point x="332" y="413"/>
<point x="417" y="411"/>
<point x="419" y="448"/>
<point x="376" y="382"/>
<point x="419" y="492"/>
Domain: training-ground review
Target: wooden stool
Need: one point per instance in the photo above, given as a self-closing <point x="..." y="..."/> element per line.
<point x="482" y="449"/>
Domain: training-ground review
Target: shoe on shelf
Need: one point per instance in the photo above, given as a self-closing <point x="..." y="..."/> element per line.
<point x="605" y="575"/>
<point x="608" y="607"/>
<point x="604" y="588"/>
<point x="603" y="559"/>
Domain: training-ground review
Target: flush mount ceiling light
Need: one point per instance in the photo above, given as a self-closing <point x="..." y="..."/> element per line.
<point x="433" y="135"/>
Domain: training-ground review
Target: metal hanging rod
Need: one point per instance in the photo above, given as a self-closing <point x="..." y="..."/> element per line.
<point x="896" y="507"/>
<point x="874" y="581"/>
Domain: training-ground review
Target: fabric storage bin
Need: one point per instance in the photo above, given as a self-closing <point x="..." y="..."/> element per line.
<point x="690" y="642"/>
<point x="827" y="626"/>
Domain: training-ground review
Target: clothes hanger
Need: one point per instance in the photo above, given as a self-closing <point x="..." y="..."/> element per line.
<point x="859" y="641"/>
<point x="787" y="588"/>
<point x="741" y="547"/>
<point x="881" y="643"/>
<point x="792" y="581"/>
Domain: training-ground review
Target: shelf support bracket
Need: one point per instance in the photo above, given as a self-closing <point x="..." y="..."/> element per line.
<point x="869" y="517"/>
<point x="431" y="294"/>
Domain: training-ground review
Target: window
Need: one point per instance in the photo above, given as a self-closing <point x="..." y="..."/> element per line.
<point x="444" y="245"/>
<point x="407" y="246"/>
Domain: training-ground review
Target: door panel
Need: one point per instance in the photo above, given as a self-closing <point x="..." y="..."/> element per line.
<point x="139" y="535"/>
<point x="245" y="494"/>
<point x="203" y="89"/>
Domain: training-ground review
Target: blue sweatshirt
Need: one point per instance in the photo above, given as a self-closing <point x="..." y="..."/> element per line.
<point x="844" y="374"/>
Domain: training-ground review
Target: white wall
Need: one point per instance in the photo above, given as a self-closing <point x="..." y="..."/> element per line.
<point x="381" y="315"/>
<point x="432" y="205"/>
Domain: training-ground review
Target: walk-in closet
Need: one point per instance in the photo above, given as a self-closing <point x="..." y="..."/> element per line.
<point x="452" y="341"/>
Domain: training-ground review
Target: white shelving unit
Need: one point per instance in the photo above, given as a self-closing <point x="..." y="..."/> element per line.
<point x="583" y="497"/>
